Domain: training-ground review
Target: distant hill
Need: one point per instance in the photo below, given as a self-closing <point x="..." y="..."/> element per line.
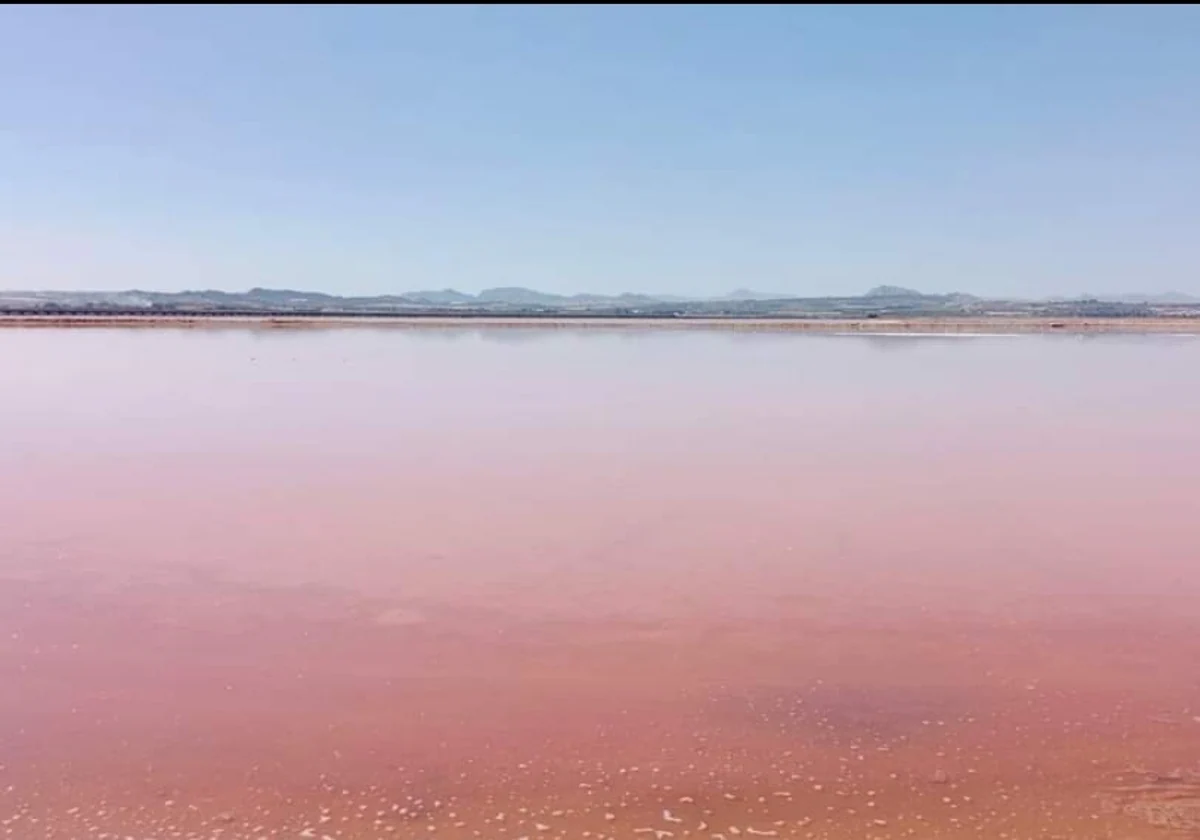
<point x="892" y="292"/>
<point x="876" y="302"/>
<point x="444" y="297"/>
<point x="517" y="295"/>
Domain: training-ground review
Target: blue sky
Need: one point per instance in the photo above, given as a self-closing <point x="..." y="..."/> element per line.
<point x="807" y="150"/>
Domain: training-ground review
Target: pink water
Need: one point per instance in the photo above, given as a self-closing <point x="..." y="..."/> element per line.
<point x="548" y="583"/>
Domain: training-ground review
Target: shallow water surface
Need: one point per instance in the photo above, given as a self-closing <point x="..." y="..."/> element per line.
<point x="571" y="583"/>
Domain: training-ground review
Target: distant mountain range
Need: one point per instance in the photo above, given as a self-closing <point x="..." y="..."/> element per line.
<point x="505" y="295"/>
<point x="525" y="297"/>
<point x="516" y="299"/>
<point x="257" y="298"/>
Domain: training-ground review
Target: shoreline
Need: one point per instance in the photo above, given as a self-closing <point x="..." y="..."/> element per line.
<point x="930" y="326"/>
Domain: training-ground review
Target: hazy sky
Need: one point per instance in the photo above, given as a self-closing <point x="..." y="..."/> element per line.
<point x="808" y="150"/>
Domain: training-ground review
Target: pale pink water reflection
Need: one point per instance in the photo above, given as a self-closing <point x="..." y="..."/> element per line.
<point x="240" y="564"/>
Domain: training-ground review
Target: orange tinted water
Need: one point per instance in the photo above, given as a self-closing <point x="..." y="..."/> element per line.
<point x="564" y="584"/>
